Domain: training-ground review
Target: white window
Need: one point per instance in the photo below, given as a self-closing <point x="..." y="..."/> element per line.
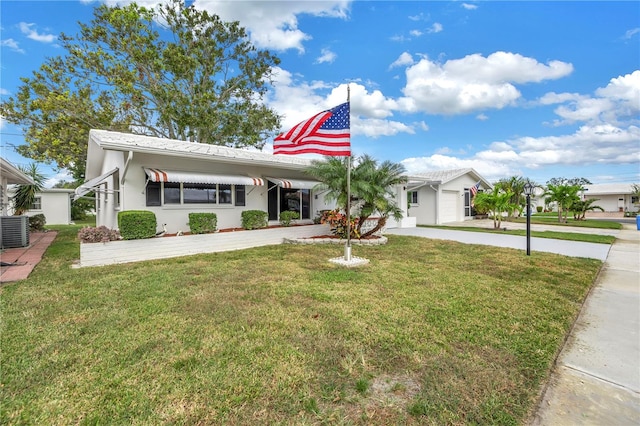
<point x="37" y="204"/>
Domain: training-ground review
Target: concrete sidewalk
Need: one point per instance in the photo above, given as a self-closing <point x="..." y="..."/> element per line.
<point x="596" y="380"/>
<point x="566" y="248"/>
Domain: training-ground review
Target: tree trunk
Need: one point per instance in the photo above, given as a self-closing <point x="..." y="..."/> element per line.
<point x="381" y="223"/>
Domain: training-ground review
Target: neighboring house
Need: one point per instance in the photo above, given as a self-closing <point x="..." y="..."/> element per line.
<point x="10" y="175"/>
<point x="174" y="178"/>
<point x="444" y="196"/>
<point x="613" y="197"/>
<point x="54" y="204"/>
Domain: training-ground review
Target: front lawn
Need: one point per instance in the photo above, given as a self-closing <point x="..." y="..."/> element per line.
<point x="552" y="219"/>
<point x="568" y="236"/>
<point x="430" y="332"/>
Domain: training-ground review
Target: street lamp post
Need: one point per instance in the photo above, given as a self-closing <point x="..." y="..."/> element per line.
<point x="528" y="191"/>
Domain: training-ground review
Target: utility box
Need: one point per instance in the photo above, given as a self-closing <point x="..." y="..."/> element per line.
<point x="14" y="231"/>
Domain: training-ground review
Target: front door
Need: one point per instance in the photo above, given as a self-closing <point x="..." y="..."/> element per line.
<point x="288" y="199"/>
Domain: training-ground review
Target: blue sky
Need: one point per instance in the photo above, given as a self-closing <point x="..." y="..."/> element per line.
<point x="536" y="89"/>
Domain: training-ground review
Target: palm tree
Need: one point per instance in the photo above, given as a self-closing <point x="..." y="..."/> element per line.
<point x="371" y="186"/>
<point x="515" y="186"/>
<point x="580" y="208"/>
<point x="495" y="203"/>
<point x="26" y="193"/>
<point x="564" y="195"/>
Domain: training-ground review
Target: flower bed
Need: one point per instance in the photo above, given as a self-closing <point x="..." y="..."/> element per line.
<point x="115" y="252"/>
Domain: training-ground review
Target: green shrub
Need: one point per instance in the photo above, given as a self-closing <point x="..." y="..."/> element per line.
<point x="254" y="219"/>
<point x="203" y="223"/>
<point x="539" y="209"/>
<point x="287" y="217"/>
<point x="137" y="224"/>
<point x="37" y="222"/>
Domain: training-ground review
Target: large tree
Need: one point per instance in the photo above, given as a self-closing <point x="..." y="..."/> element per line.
<point x="173" y="72"/>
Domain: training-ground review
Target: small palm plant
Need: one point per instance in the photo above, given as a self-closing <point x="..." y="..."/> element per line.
<point x="26" y="193"/>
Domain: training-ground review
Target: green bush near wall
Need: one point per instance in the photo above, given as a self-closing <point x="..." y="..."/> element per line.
<point x="137" y="224"/>
<point x="203" y="223"/>
<point x="254" y="219"/>
<point x="287" y="216"/>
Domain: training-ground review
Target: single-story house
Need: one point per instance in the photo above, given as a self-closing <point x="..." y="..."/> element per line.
<point x="613" y="197"/>
<point x="174" y="178"/>
<point x="443" y="196"/>
<point x="54" y="204"/>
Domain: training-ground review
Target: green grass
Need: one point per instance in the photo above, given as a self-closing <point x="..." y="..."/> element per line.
<point x="430" y="332"/>
<point x="569" y="236"/>
<point x="552" y="219"/>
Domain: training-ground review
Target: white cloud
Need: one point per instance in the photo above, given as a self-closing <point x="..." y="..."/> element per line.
<point x="326" y="56"/>
<point x="11" y="44"/>
<point x="62" y="176"/>
<point x="296" y="99"/>
<point x="274" y="25"/>
<point x="4" y="92"/>
<point x="474" y="82"/>
<point x="630" y="33"/>
<point x="482" y="117"/>
<point x="415" y="33"/>
<point x="617" y="102"/>
<point x="32" y="34"/>
<point x="436" y="28"/>
<point x="469" y="6"/>
<point x="404" y="59"/>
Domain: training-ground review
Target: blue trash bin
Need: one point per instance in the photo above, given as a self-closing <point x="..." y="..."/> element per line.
<point x="638" y="222"/>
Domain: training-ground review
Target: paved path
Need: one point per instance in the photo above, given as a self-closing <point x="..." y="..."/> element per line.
<point x="596" y="380"/>
<point x="24" y="259"/>
<point x="567" y="248"/>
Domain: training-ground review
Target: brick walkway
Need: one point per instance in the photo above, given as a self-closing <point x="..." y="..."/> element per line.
<point x="24" y="259"/>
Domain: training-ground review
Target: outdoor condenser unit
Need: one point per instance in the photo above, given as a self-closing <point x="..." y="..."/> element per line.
<point x="14" y="231"/>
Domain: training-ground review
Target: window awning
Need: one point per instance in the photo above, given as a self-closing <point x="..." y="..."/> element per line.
<point x="297" y="184"/>
<point x="157" y="175"/>
<point x="92" y="183"/>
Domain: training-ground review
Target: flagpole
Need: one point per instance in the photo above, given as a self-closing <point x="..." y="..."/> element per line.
<point x="347" y="248"/>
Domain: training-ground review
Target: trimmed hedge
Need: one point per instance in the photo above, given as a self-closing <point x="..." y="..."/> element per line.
<point x="137" y="224"/>
<point x="254" y="219"/>
<point x="203" y="223"/>
<point x="287" y="216"/>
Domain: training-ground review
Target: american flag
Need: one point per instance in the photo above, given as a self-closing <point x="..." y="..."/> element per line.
<point x="474" y="190"/>
<point x="325" y="133"/>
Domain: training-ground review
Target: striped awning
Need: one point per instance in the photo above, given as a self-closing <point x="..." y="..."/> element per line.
<point x="296" y="184"/>
<point x="157" y="175"/>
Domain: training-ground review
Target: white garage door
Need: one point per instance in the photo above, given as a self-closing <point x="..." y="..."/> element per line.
<point x="449" y="207"/>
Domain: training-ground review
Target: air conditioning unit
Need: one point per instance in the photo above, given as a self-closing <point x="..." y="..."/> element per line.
<point x="14" y="231"/>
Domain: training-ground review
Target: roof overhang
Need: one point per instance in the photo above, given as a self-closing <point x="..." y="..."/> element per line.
<point x="13" y="175"/>
<point x="157" y="175"/>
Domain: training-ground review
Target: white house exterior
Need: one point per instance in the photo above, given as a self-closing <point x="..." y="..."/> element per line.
<point x="54" y="204"/>
<point x="174" y="178"/>
<point x="443" y="196"/>
<point x="613" y="197"/>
